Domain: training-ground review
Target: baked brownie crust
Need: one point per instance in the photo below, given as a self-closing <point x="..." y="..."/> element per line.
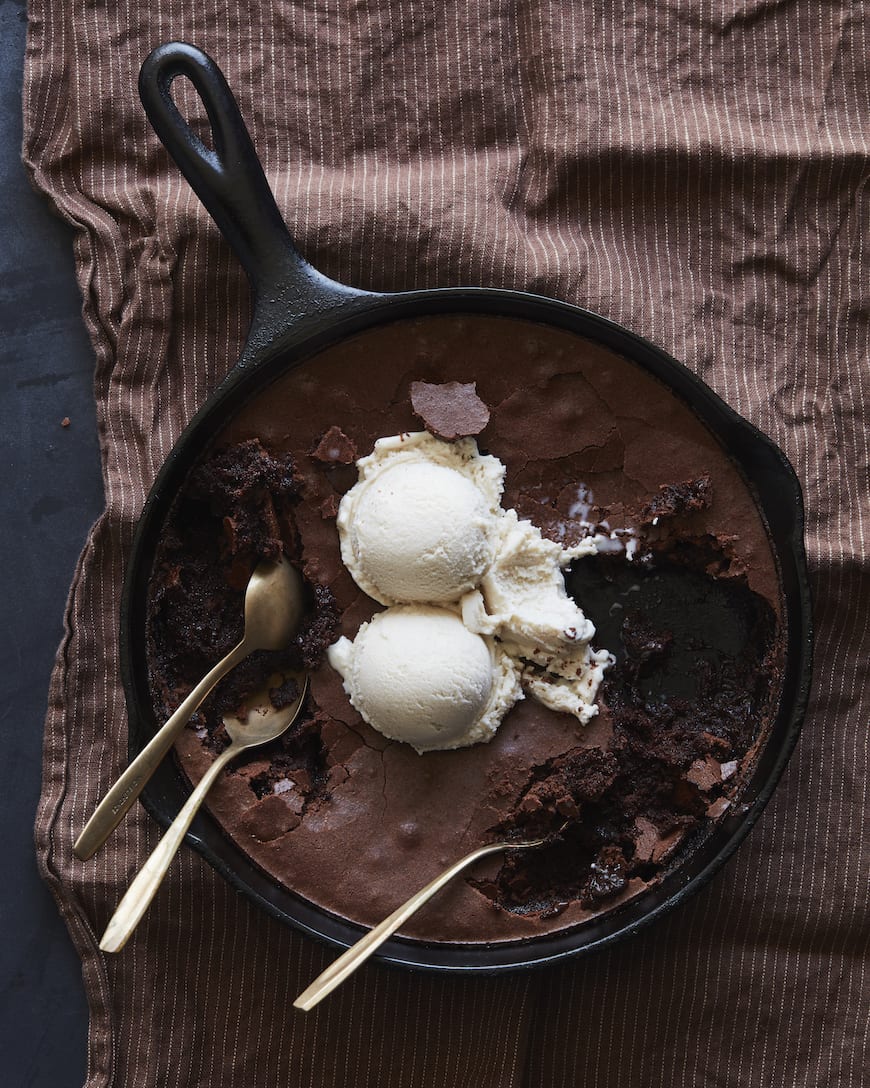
<point x="356" y="823"/>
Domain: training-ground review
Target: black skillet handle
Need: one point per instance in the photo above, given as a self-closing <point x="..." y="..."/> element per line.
<point x="230" y="182"/>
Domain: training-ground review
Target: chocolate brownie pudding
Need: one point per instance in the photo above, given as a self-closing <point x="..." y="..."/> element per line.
<point x="683" y="592"/>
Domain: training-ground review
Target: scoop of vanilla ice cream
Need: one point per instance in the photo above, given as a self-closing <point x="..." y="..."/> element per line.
<point x="420" y="524"/>
<point x="417" y="674"/>
<point x="420" y="532"/>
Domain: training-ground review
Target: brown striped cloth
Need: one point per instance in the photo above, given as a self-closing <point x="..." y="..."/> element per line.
<point x="697" y="171"/>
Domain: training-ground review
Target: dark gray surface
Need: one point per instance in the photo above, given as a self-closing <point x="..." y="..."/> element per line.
<point x="52" y="493"/>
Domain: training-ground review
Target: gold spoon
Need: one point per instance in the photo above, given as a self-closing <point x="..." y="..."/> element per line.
<point x="274" y="604"/>
<point x="262" y="724"/>
<point x="358" y="953"/>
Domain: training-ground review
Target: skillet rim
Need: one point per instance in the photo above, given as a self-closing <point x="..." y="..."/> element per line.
<point x="263" y="359"/>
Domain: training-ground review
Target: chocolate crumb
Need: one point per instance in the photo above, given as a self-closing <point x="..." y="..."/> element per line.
<point x="335" y="448"/>
<point x="607" y="876"/>
<point x="320" y="628"/>
<point x="705" y="773"/>
<point x="285" y="693"/>
<point x="329" y="507"/>
<point x="675" y="499"/>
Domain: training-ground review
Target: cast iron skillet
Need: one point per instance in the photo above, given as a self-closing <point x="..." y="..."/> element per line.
<point x="297" y="311"/>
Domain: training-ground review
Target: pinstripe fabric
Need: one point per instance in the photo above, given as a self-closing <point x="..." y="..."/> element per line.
<point x="697" y="171"/>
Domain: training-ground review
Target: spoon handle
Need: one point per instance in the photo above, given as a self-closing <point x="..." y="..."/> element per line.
<point x="149" y="878"/>
<point x="358" y="953"/>
<point x="110" y="811"/>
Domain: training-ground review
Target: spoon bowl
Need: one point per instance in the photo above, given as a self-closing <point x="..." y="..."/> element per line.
<point x="274" y="606"/>
<point x="264" y="722"/>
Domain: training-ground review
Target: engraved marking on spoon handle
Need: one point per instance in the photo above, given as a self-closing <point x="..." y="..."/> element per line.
<point x="358" y="953"/>
<point x="138" y="896"/>
<point x="110" y="811"/>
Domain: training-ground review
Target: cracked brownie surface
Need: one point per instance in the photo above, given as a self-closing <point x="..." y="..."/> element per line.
<point x="356" y="823"/>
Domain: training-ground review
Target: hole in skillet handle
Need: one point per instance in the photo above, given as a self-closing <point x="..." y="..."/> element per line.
<point x="229" y="179"/>
<point x="230" y="182"/>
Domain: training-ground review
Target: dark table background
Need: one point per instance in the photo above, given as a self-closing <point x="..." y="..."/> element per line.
<point x="52" y="493"/>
